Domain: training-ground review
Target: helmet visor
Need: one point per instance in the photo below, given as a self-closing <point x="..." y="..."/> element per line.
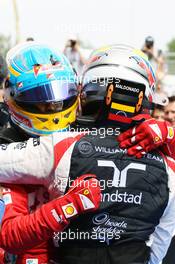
<point x="51" y="92"/>
<point x="49" y="107"/>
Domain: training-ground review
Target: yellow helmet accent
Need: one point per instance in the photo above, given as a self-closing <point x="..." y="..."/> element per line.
<point x="140" y="53"/>
<point x="42" y="124"/>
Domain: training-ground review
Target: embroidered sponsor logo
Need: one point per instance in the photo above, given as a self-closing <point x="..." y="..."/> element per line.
<point x="69" y="210"/>
<point x="157" y="131"/>
<point x="124" y="197"/>
<point x="56" y="216"/>
<point x="31" y="261"/>
<point x="120" y="177"/>
<point x="120" y="180"/>
<point x="107" y="229"/>
<point x="85" y="147"/>
<point x="154" y="157"/>
<point x="87" y="203"/>
<point x="109" y="150"/>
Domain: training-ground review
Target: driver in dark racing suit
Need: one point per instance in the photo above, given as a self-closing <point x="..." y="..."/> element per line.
<point x="136" y="218"/>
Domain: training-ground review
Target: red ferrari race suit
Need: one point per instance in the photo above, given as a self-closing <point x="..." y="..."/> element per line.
<point x="30" y="218"/>
<point x="20" y="202"/>
<point x="137" y="203"/>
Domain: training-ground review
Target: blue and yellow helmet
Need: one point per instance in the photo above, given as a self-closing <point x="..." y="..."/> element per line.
<point x="41" y="91"/>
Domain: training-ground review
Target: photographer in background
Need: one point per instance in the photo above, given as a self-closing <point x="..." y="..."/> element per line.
<point x="161" y="69"/>
<point x="148" y="48"/>
<point x="72" y="52"/>
<point x="156" y="59"/>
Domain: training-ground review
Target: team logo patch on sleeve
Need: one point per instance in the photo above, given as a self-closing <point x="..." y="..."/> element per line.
<point x="158" y="134"/>
<point x="87" y="203"/>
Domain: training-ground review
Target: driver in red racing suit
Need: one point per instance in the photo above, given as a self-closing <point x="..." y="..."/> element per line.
<point x="30" y="219"/>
